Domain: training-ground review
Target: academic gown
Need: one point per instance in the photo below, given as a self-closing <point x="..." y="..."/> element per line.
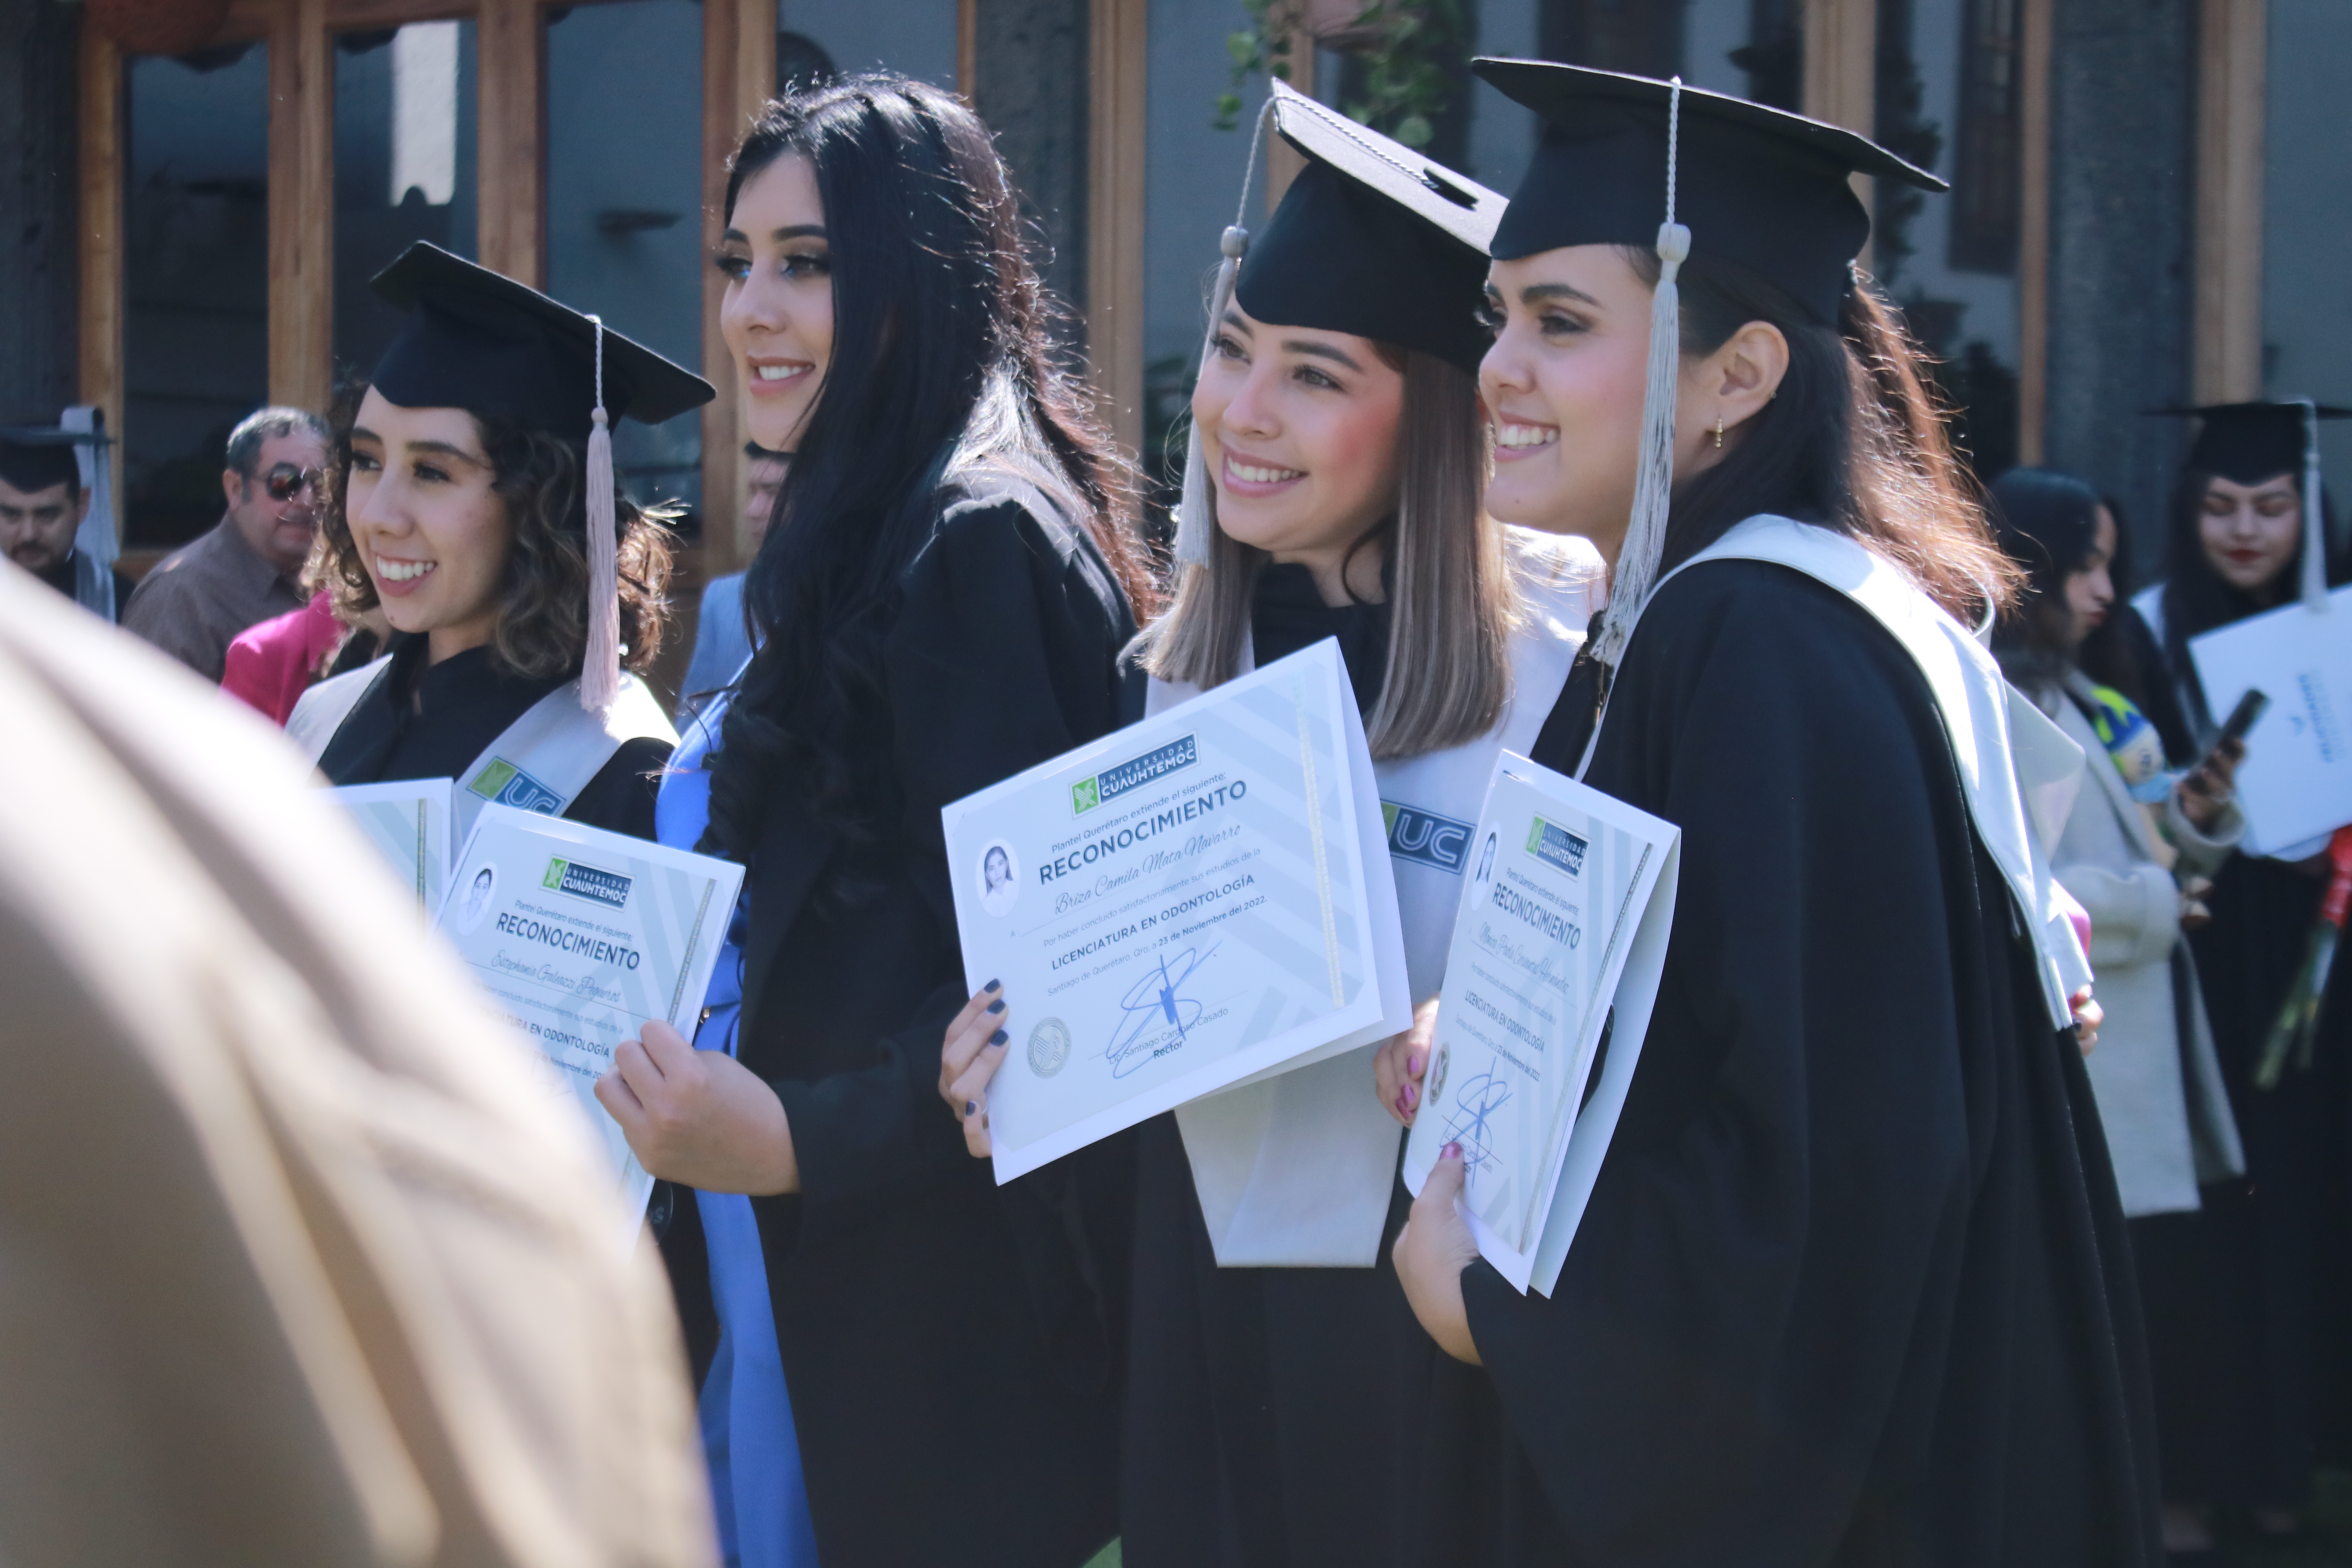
<point x="2247" y="1298"/>
<point x="947" y="1343"/>
<point x="1252" y="1434"/>
<point x="1853" y="1287"/>
<point x="430" y="721"/>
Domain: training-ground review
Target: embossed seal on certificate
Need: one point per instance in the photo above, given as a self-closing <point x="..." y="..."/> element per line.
<point x="1049" y="1047"/>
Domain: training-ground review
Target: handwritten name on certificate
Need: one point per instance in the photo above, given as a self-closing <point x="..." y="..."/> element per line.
<point x="1555" y="965"/>
<point x="582" y="937"/>
<point x="408" y="822"/>
<point x="1199" y="898"/>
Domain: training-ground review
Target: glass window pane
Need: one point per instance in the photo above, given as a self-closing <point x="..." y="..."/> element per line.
<point x="914" y="37"/>
<point x="405" y="110"/>
<point x="1950" y="84"/>
<point x="623" y="200"/>
<point x="196" y="331"/>
<point x="2307" y="224"/>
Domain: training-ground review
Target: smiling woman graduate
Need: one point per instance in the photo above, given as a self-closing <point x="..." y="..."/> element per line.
<point x="1332" y="490"/>
<point x="477" y="511"/>
<point x="1853" y="1285"/>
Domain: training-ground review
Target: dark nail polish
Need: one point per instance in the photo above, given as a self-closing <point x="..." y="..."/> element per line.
<point x="970" y="1106"/>
<point x="997" y="1005"/>
<point x="998" y="1039"/>
<point x="993" y="985"/>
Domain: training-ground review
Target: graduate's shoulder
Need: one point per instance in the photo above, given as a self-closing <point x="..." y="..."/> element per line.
<point x="1758" y="632"/>
<point x="1005" y="536"/>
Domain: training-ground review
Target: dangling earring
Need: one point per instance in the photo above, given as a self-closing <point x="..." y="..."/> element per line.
<point x="1719" y="434"/>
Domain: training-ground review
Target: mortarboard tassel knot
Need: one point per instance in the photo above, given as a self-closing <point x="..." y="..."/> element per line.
<point x="600" y="670"/>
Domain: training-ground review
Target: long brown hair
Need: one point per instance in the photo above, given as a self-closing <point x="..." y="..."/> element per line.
<point x="1448" y="670"/>
<point x="542" y="627"/>
<point x="1855" y="440"/>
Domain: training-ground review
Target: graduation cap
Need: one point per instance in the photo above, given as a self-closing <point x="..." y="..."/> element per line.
<point x="479" y="340"/>
<point x="1630" y="159"/>
<point x="2247" y="443"/>
<point x="73" y="450"/>
<point x="1371" y="239"/>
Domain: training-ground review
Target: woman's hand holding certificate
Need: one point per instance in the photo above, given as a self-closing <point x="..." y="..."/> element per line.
<point x="1199" y="899"/>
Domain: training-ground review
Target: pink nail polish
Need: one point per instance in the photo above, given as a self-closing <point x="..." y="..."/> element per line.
<point x="1412" y="1095"/>
<point x="1451" y="1151"/>
<point x="1412" y="1063"/>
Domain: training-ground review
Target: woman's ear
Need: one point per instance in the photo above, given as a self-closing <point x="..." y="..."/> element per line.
<point x="1746" y="372"/>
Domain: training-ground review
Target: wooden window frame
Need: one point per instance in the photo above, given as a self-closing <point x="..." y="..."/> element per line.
<point x="512" y="151"/>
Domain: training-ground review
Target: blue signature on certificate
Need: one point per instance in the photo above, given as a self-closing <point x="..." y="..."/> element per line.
<point x="1155" y="1015"/>
<point x="1470" y="1123"/>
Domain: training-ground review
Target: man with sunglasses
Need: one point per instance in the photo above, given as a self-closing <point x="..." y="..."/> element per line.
<point x="249" y="569"/>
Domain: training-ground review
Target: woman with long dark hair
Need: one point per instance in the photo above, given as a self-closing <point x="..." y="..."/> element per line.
<point x="938" y="604"/>
<point x="2262" y="1285"/>
<point x="1852" y="1286"/>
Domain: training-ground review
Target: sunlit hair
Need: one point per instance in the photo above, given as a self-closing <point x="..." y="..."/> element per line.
<point x="944" y="364"/>
<point x="1855" y="440"/>
<point x="543" y="625"/>
<point x="1450" y="590"/>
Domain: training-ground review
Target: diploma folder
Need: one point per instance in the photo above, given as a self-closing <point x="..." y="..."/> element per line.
<point x="2296" y="783"/>
<point x="580" y="937"/>
<point x="1196" y="900"/>
<point x="1559" y="949"/>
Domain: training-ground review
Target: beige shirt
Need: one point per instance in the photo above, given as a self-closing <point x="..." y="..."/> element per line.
<point x="299" y="1263"/>
<point x="199" y="597"/>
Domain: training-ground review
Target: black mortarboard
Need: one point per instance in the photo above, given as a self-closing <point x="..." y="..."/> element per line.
<point x="1371" y="239"/>
<point x="480" y="341"/>
<point x="490" y="345"/>
<point x="35" y="457"/>
<point x="2247" y="443"/>
<point x="1757" y="186"/>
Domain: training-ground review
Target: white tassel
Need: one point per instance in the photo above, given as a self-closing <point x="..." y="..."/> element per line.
<point x="1195" y="512"/>
<point x="600" y="671"/>
<point x="2315" y="526"/>
<point x="1654" y="485"/>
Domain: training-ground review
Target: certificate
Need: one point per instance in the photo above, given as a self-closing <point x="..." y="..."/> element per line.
<point x="2296" y="783"/>
<point x="408" y="822"/>
<point x="582" y="937"/>
<point x="1555" y="965"/>
<point x="1199" y="898"/>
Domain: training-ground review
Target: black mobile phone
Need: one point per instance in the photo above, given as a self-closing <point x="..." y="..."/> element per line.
<point x="2244" y="716"/>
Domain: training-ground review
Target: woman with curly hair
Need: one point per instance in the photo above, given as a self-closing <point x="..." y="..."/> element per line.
<point x="522" y="591"/>
<point x="906" y="1364"/>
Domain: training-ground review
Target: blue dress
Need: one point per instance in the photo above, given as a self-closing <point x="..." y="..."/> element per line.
<point x="746" y="1412"/>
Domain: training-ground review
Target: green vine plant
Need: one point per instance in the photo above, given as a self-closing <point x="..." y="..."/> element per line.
<point x="1411" y="52"/>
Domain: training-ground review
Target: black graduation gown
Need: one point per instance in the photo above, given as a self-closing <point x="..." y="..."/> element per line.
<point x="429" y="721"/>
<point x="1264" y="1405"/>
<point x="947" y="1342"/>
<point x="61" y="577"/>
<point x="1854" y="1285"/>
<point x="2248" y="1298"/>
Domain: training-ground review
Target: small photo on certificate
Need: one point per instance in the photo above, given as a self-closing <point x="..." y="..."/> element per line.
<point x="1199" y="898"/>
<point x="580" y="938"/>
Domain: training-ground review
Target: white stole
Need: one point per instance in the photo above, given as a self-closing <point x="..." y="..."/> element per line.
<point x="1295" y="1170"/>
<point x="540" y="763"/>
<point x="2018" y="771"/>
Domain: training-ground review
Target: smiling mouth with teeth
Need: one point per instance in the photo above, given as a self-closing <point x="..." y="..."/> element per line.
<point x="1251" y="474"/>
<point x="1525" y="435"/>
<point x="779" y="371"/>
<point x="401" y="571"/>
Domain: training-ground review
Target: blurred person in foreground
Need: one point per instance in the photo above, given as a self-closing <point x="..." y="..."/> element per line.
<point x="297" y="1264"/>
<point x="42" y="505"/>
<point x="249" y="569"/>
<point x="722" y="642"/>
